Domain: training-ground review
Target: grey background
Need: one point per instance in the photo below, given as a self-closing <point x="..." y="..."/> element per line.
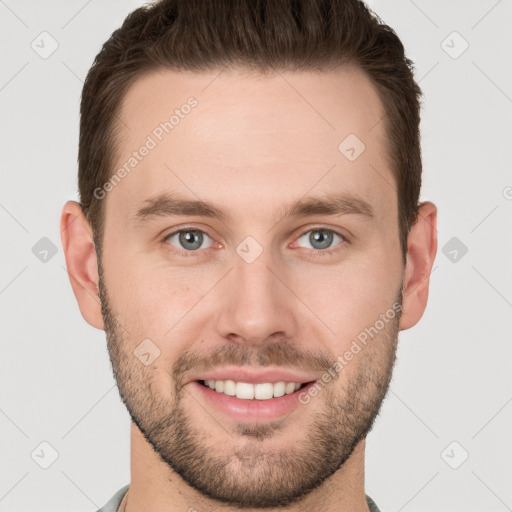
<point x="452" y="382"/>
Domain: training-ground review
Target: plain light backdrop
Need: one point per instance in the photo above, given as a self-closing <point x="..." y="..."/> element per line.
<point x="443" y="439"/>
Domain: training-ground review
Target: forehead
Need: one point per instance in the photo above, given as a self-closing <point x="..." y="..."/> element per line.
<point x="273" y="137"/>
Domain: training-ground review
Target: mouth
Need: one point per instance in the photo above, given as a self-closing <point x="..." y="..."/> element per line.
<point x="249" y="391"/>
<point x="248" y="402"/>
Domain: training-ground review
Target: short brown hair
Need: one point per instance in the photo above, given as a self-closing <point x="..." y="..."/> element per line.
<point x="255" y="35"/>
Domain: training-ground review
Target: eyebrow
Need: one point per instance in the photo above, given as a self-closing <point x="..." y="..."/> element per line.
<point x="172" y="204"/>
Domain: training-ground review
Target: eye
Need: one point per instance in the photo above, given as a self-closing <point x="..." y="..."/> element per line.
<point x="321" y="239"/>
<point x="188" y="239"/>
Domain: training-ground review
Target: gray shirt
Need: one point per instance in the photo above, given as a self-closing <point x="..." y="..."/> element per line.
<point x="115" y="501"/>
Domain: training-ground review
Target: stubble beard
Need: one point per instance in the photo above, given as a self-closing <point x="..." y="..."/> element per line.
<point x="250" y="476"/>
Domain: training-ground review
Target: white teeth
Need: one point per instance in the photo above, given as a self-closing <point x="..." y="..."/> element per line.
<point x="244" y="390"/>
<point x="290" y="388"/>
<point x="279" y="389"/>
<point x="230" y="387"/>
<point x="264" y="391"/>
<point x="247" y="391"/>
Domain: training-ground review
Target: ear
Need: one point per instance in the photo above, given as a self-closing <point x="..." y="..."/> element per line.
<point x="81" y="262"/>
<point x="421" y="252"/>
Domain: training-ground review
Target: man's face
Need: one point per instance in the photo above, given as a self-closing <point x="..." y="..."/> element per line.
<point x="293" y="296"/>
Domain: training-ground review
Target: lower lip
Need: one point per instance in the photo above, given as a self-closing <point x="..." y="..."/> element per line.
<point x="251" y="410"/>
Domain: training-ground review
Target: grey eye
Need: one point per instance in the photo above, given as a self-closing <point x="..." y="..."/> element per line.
<point x="319" y="238"/>
<point x="189" y="239"/>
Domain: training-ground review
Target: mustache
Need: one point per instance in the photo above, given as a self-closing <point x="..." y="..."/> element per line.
<point x="284" y="354"/>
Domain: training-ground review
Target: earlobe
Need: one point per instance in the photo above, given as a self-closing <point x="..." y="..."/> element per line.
<point x="421" y="252"/>
<point x="81" y="262"/>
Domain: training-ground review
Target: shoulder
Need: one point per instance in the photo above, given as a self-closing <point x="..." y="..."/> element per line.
<point x="115" y="501"/>
<point x="371" y="504"/>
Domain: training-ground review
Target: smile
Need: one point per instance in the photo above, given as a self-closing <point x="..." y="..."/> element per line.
<point x="244" y="401"/>
<point x="248" y="391"/>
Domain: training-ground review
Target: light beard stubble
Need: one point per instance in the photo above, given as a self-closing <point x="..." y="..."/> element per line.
<point x="251" y="477"/>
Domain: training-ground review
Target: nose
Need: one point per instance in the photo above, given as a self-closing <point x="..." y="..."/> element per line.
<point x="256" y="304"/>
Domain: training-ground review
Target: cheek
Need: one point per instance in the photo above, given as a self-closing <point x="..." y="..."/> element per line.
<point x="152" y="303"/>
<point x="352" y="298"/>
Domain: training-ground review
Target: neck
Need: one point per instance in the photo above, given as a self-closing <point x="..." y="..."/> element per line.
<point x="157" y="488"/>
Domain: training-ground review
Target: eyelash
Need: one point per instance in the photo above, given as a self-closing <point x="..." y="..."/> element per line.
<point x="314" y="253"/>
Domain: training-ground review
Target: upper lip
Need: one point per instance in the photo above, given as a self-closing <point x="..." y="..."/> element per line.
<point x="254" y="376"/>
